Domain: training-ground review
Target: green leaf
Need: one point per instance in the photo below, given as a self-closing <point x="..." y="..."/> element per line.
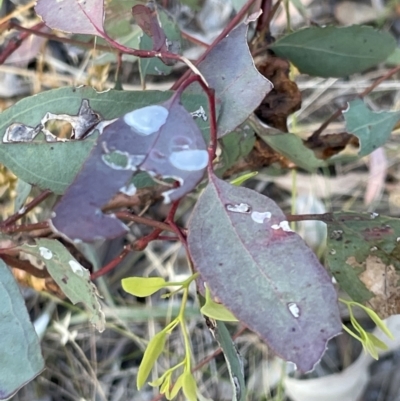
<point x="292" y="147"/>
<point x="377" y="342"/>
<point x="154" y="66"/>
<point x="175" y="389"/>
<point x="53" y="165"/>
<point x="238" y="181"/>
<point x="233" y="361"/>
<point x="70" y="275"/>
<point x="236" y="145"/>
<point x="189" y="386"/>
<point x="372" y="128"/>
<point x="20" y="355"/>
<point x="143" y="286"/>
<point x="377" y="320"/>
<point x="363" y="254"/>
<point x="216" y="311"/>
<point x="394" y="58"/>
<point x="153" y="351"/>
<point x="333" y="51"/>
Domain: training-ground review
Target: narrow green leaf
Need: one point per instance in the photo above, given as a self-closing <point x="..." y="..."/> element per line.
<point x="334" y="51"/>
<point x="153" y="351"/>
<point x="238" y="181"/>
<point x="20" y="356"/>
<point x="216" y="311"/>
<point x="233" y="361"/>
<point x="377" y="342"/>
<point x="372" y="128"/>
<point x="189" y="386"/>
<point x="377" y="320"/>
<point x="177" y="386"/>
<point x="143" y="286"/>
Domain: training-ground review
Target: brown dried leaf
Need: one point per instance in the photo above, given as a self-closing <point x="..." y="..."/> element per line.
<point x="284" y="99"/>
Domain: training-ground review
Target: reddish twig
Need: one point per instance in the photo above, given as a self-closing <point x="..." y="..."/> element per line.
<point x="16" y="41"/>
<point x="25" y="266"/>
<point x="143" y="220"/>
<point x="11" y="229"/>
<point x="113" y="264"/>
<point x="23" y="211"/>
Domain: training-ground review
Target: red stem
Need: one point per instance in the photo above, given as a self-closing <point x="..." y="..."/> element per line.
<point x="22" y="212"/>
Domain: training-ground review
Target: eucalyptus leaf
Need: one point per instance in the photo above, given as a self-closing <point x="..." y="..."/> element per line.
<point x="372" y="128"/>
<point x="70" y="275"/>
<point x="335" y="51"/>
<point x="20" y="354"/>
<point x="53" y="165"/>
<point x="153" y="350"/>
<point x="143" y="286"/>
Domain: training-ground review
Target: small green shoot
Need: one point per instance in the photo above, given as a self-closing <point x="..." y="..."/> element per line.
<point x="238" y="181"/>
<point x="216" y="311"/>
<point x="141" y="286"/>
<point x="369" y="341"/>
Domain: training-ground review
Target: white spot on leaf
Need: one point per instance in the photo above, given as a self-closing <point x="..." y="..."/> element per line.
<point x="77" y="268"/>
<point x="283" y="225"/>
<point x="129" y="190"/>
<point x="45" y="253"/>
<point x="239" y="208"/>
<point x="294" y="309"/>
<point x="259" y="217"/>
<point x="147" y="120"/>
<point x="189" y="160"/>
<point x="373" y="215"/>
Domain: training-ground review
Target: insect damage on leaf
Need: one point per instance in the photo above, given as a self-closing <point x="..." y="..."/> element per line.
<point x="83" y="125"/>
<point x="162" y="140"/>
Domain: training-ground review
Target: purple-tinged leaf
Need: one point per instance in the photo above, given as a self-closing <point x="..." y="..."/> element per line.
<point x="161" y="139"/>
<point x="146" y="17"/>
<point x="76" y="16"/>
<point x="229" y="69"/>
<point x="263" y="272"/>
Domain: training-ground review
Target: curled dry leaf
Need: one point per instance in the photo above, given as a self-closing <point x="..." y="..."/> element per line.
<point x="285" y="97"/>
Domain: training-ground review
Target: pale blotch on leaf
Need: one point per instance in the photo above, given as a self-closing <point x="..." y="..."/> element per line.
<point x="147" y="120"/>
<point x="45" y="253"/>
<point x="332" y="252"/>
<point x="373" y="249"/>
<point x="283" y="225"/>
<point x="398" y="239"/>
<point x="239" y="208"/>
<point x="294" y="309"/>
<point x="76" y="267"/>
<point x="200" y="113"/>
<point x="128" y="190"/>
<point x="189" y="160"/>
<point x="259" y="217"/>
<point x="374" y="215"/>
